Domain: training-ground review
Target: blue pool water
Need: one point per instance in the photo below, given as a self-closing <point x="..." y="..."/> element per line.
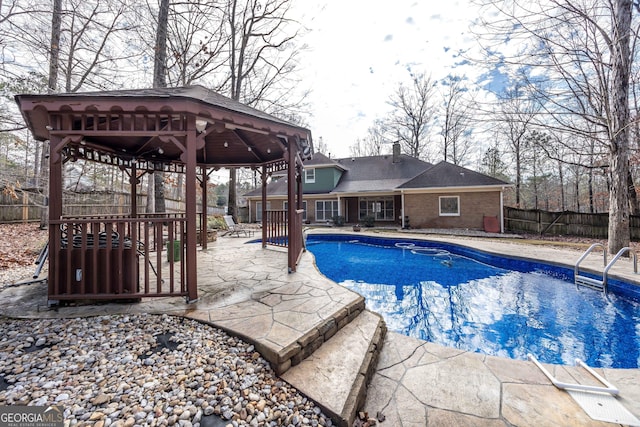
<point x="474" y="301"/>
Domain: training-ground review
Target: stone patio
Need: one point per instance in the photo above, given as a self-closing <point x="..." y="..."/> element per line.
<point x="299" y="324"/>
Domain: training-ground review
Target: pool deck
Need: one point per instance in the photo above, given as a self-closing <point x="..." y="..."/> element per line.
<point x="319" y="337"/>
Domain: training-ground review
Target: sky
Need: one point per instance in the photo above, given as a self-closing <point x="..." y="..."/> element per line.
<point x="360" y="50"/>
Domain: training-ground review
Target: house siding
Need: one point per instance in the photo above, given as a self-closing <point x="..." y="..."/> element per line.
<point x="423" y="209"/>
<point x="326" y="180"/>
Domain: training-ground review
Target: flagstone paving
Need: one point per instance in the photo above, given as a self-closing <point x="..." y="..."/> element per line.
<point x="248" y="291"/>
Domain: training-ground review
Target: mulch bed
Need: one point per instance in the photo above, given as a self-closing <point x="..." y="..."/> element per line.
<point x="20" y="244"/>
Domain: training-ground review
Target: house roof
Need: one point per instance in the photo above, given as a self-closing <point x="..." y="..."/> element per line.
<point x="445" y="174"/>
<point x="377" y="173"/>
<point x="320" y="159"/>
<point x="381" y="174"/>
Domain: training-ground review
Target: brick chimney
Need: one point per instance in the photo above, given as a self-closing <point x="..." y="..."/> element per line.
<point x="396" y="152"/>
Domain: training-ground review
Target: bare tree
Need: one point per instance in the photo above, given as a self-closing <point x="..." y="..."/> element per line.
<point x="582" y="52"/>
<point x="196" y="42"/>
<point x="516" y="111"/>
<point x="456" y="114"/>
<point x="412" y="114"/>
<point x="261" y="61"/>
<point x="89" y="39"/>
<point x="373" y="143"/>
<point x="492" y="163"/>
<point x="534" y="140"/>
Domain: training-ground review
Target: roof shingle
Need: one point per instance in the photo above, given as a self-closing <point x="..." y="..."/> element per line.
<point x="449" y="175"/>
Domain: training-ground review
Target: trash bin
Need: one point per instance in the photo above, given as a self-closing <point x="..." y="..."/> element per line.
<point x="177" y="249"/>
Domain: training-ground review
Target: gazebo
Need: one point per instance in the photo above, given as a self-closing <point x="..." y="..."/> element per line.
<point x="190" y="130"/>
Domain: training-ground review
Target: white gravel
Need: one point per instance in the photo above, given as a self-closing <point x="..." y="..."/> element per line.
<point x="145" y="370"/>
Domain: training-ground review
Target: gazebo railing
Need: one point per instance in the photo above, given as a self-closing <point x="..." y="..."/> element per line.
<point x="112" y="257"/>
<point x="276" y="230"/>
<point x="280" y="233"/>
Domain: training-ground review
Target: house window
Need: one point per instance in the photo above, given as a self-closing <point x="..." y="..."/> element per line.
<point x="310" y="175"/>
<point x="259" y="210"/>
<point x="449" y="205"/>
<point x="381" y="208"/>
<point x="304" y="206"/>
<point x="326" y="209"/>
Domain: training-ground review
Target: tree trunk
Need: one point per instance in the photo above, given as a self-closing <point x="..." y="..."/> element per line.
<point x="619" y="146"/>
<point x="160" y="204"/>
<point x="160" y="51"/>
<point x="592" y="208"/>
<point x="232" y="201"/>
<point x="518" y="180"/>
<point x="633" y="196"/>
<point x="561" y="176"/>
<point x="54" y="50"/>
<point x="577" y="192"/>
<point x="151" y="194"/>
<point x="54" y="65"/>
<point x="160" y="80"/>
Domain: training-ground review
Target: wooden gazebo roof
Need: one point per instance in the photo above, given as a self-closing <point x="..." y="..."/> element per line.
<point x="151" y="126"/>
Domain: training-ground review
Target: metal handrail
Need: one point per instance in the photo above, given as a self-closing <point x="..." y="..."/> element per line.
<point x="613" y="261"/>
<point x="584" y="255"/>
<point x="609" y="388"/>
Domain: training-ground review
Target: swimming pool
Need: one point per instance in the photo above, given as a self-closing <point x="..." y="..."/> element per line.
<point x="475" y="301"/>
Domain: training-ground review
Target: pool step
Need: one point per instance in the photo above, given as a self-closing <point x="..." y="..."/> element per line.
<point x="336" y="375"/>
<point x="589" y="282"/>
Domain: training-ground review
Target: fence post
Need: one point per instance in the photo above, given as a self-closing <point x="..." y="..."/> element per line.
<point x="25" y="206"/>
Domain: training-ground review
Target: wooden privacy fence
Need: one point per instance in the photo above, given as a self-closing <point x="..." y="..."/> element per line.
<point x="28" y="206"/>
<point x="592" y="225"/>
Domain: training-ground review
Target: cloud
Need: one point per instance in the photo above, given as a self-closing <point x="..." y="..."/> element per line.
<point x="375" y="46"/>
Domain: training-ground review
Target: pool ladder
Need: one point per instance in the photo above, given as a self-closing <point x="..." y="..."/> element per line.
<point x="601" y="285"/>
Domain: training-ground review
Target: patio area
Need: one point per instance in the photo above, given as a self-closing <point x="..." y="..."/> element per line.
<point x="318" y="336"/>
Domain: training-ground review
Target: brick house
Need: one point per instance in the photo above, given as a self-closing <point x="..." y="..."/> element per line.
<point x="395" y="189"/>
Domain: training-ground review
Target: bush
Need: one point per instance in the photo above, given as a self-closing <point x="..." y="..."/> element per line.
<point x="216" y="221"/>
<point x="368" y="221"/>
<point x="338" y="220"/>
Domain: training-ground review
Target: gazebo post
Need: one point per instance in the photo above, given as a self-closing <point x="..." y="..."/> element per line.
<point x="55" y="212"/>
<point x="191" y="217"/>
<point x="205" y="208"/>
<point x="291" y="198"/>
<point x="133" y="187"/>
<point x="264" y="206"/>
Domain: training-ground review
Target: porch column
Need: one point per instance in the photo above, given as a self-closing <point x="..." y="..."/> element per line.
<point x="191" y="217"/>
<point x="402" y="209"/>
<point x="501" y="211"/>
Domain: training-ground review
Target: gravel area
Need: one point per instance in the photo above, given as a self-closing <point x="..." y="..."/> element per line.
<point x="9" y="277"/>
<point x="145" y="370"/>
